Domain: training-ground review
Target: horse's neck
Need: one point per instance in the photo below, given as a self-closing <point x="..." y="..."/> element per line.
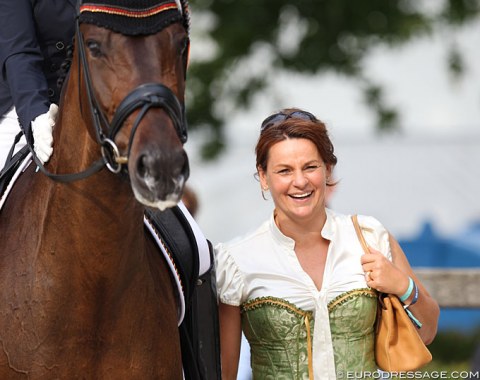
<point x="74" y="147"/>
<point x="101" y="202"/>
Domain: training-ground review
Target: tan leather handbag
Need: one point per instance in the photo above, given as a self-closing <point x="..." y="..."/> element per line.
<point x="398" y="346"/>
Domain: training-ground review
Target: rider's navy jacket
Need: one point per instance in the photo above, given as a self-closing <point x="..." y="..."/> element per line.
<point x="34" y="35"/>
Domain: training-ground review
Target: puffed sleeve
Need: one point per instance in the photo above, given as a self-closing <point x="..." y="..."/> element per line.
<point x="230" y="280"/>
<point x="376" y="235"/>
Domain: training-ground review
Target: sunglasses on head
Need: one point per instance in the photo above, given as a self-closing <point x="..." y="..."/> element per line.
<point x="275" y="118"/>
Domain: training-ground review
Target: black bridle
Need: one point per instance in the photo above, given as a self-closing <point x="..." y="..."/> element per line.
<point x="144" y="97"/>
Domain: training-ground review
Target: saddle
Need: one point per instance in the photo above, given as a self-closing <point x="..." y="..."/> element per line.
<point x="199" y="329"/>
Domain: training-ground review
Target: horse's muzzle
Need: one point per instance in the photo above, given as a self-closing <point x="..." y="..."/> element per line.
<point x="159" y="177"/>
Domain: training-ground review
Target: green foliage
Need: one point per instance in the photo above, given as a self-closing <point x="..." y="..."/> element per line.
<point x="455" y="346"/>
<point x="304" y="36"/>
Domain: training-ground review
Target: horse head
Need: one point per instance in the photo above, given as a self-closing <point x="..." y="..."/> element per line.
<point x="130" y="58"/>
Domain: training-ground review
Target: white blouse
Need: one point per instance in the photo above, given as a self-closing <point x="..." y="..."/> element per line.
<point x="264" y="264"/>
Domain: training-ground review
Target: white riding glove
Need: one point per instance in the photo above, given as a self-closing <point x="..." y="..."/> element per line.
<point x="42" y="131"/>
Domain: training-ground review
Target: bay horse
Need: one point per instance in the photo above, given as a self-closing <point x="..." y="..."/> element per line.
<point x="84" y="292"/>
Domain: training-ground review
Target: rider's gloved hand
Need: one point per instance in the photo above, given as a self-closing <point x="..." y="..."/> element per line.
<point x="42" y="131"/>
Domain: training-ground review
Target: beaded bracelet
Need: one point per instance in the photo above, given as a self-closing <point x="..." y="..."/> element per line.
<point x="407" y="294"/>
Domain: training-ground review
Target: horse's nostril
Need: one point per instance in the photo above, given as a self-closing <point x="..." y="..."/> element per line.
<point x="144" y="165"/>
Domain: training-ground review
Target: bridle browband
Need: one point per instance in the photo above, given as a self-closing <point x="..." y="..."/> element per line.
<point x="145" y="96"/>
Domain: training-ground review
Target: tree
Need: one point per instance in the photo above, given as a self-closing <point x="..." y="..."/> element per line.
<point x="304" y="36"/>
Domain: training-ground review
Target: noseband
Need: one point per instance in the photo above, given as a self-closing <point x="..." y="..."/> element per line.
<point x="144" y="97"/>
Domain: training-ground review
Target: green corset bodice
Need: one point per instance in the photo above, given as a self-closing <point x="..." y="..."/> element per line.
<point x="352" y="319"/>
<point x="280" y="335"/>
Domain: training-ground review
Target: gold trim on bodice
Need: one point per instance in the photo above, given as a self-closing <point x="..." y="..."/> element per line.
<point x="344" y="297"/>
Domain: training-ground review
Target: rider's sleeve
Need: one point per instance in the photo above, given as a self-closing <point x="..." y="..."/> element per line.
<point x="21" y="60"/>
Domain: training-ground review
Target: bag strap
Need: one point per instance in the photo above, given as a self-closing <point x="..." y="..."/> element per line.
<point x="359" y="234"/>
<point x="365" y="249"/>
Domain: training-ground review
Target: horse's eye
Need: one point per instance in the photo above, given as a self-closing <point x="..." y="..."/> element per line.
<point x="94" y="48"/>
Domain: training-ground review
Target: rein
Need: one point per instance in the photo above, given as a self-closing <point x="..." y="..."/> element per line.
<point x="145" y="96"/>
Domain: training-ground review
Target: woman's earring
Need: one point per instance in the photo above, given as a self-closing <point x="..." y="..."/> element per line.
<point x="264" y="189"/>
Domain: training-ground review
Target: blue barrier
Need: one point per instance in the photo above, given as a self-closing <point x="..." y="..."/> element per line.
<point x="433" y="251"/>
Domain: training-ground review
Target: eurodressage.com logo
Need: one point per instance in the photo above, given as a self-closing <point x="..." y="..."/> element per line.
<point x="410" y="375"/>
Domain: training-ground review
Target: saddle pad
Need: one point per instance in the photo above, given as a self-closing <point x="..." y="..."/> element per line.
<point x="22" y="167"/>
<point x="183" y="242"/>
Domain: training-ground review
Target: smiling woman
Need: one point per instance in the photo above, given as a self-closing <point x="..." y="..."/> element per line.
<point x="297" y="286"/>
<point x="292" y="168"/>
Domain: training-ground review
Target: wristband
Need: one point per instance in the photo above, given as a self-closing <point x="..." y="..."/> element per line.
<point x="415" y="295"/>
<point x="407" y="294"/>
<point x="415" y="321"/>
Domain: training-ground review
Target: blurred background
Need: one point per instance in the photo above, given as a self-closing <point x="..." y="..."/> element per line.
<point x="398" y="84"/>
